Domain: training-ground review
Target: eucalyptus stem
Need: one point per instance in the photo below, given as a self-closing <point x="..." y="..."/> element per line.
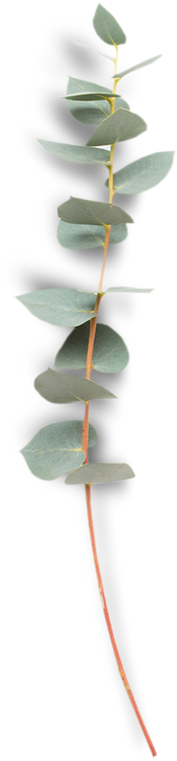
<point x="106" y="613"/>
<point x="93" y="321"/>
<point x="85" y="448"/>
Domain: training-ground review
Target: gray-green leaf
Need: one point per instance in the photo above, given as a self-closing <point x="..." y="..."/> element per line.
<point x="56" y="449"/>
<point x="90" y="112"/>
<point x="110" y="354"/>
<point x="143" y="173"/>
<point x="138" y="66"/>
<point x="100" y="472"/>
<point x="107" y="28"/>
<point x="79" y="45"/>
<point x="62" y="389"/>
<point x="90" y="96"/>
<point x="77" y="153"/>
<point x="90" y="236"/>
<point x="60" y="306"/>
<point x="123" y="289"/>
<point x="82" y="212"/>
<point x="121" y="125"/>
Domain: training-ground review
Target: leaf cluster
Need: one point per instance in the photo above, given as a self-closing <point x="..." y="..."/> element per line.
<point x="58" y="448"/>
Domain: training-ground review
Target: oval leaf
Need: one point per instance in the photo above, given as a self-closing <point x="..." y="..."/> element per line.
<point x="121" y="125"/>
<point x="77" y="153"/>
<point x="110" y="354"/>
<point x="62" y="389"/>
<point x="138" y="66"/>
<point x="90" y="112"/>
<point x="60" y="306"/>
<point x="56" y="449"/>
<point x="107" y="28"/>
<point x="82" y="236"/>
<point x="143" y="173"/>
<point x="90" y="236"/>
<point x="100" y="472"/>
<point x="83" y="212"/>
<point x="79" y="45"/>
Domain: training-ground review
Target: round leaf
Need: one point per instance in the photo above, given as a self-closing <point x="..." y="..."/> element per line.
<point x="121" y="125"/>
<point x="143" y="173"/>
<point x="107" y="28"/>
<point x="83" y="212"/>
<point x="62" y="389"/>
<point x="77" y="153"/>
<point x="56" y="449"/>
<point x="110" y="354"/>
<point x="60" y="306"/>
<point x="100" y="472"/>
<point x="90" y="236"/>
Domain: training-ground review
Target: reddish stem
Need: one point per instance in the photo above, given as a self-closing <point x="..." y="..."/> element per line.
<point x="107" y="617"/>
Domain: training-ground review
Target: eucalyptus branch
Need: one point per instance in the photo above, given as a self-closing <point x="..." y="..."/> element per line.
<point x="63" y="447"/>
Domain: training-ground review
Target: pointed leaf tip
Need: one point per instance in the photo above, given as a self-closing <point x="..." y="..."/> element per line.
<point x="142" y="174"/>
<point x="107" y="27"/>
<point x="60" y="306"/>
<point x="76" y="153"/>
<point x="60" y="388"/>
<point x="82" y="212"/>
<point x="138" y="66"/>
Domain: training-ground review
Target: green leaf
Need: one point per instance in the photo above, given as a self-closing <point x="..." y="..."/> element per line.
<point x="78" y="45"/>
<point x="110" y="354"/>
<point x="145" y="290"/>
<point x="77" y="153"/>
<point x="143" y="173"/>
<point x="60" y="306"/>
<point x="56" y="449"/>
<point x="121" y="125"/>
<point x="107" y="28"/>
<point x="91" y="96"/>
<point x="129" y="290"/>
<point x="90" y="236"/>
<point x="100" y="472"/>
<point x="90" y="112"/>
<point x="95" y="115"/>
<point x="138" y="66"/>
<point x="62" y="389"/>
<point x="82" y="212"/>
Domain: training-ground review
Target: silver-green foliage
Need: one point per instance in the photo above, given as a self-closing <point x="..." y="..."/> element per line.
<point x="110" y="354"/>
<point x="58" y="448"/>
<point x="100" y="472"/>
<point x="63" y="389"/>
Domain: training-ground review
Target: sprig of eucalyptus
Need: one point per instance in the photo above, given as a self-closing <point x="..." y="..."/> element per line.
<point x="63" y="447"/>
